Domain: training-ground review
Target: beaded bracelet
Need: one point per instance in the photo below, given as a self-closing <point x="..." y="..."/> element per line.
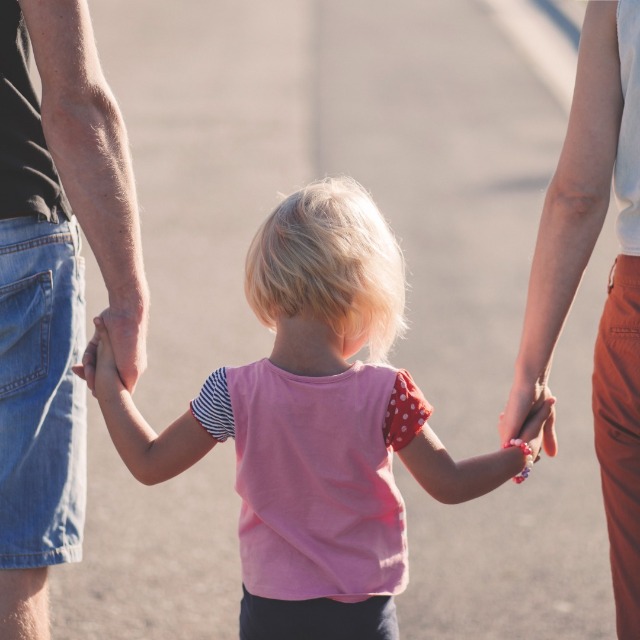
<point x="528" y="458"/>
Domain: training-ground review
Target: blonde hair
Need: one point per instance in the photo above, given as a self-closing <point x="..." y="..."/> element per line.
<point x="326" y="250"/>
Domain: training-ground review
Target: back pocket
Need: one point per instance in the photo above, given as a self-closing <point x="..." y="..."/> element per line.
<point x="25" y="321"/>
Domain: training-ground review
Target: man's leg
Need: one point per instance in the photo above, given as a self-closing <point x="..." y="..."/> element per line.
<point x="42" y="418"/>
<point x="24" y="604"/>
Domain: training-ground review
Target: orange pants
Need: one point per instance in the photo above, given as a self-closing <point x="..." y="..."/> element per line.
<point x="616" y="409"/>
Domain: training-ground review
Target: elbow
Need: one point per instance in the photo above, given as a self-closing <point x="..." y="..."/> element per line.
<point x="144" y="467"/>
<point x="145" y="480"/>
<point x="450" y="498"/>
<point x="449" y="493"/>
<point x="79" y="103"/>
<point x="143" y="472"/>
<point x="146" y="477"/>
<point x="578" y="201"/>
<point x="78" y="116"/>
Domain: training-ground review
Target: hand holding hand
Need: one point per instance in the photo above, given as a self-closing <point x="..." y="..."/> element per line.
<point x="106" y="376"/>
<point x="534" y="427"/>
<point x="128" y="343"/>
<point x="521" y="407"/>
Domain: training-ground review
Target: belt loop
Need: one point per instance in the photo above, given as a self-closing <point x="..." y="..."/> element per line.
<point x="76" y="233"/>
<point x="611" y="276"/>
<point x="54" y="215"/>
<point x="52" y="218"/>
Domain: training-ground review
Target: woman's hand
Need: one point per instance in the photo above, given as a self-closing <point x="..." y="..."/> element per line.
<point x="521" y="407"/>
<point x="533" y="429"/>
<point x="127" y="333"/>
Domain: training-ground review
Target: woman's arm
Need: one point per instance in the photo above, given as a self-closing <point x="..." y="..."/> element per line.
<point x="150" y="457"/>
<point x="574" y="211"/>
<point x="453" y="482"/>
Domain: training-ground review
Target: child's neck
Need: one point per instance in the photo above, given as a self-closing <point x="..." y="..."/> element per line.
<point x="308" y="347"/>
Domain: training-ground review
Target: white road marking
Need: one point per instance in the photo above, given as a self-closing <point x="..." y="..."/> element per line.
<point x="551" y="55"/>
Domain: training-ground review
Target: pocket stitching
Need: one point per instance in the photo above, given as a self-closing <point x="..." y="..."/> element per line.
<point x="45" y="280"/>
<point x="625" y="332"/>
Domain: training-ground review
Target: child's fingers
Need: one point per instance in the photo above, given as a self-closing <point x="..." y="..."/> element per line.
<point x="536" y="420"/>
<point x="101" y="330"/>
<point x="100" y="326"/>
<point x="105" y="354"/>
<point x="513" y="416"/>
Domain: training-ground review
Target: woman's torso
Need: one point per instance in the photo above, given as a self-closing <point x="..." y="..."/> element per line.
<point x="626" y="184"/>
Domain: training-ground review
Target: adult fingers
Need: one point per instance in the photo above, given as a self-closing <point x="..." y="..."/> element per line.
<point x="549" y="438"/>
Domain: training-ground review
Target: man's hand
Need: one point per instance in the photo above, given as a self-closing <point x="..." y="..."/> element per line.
<point x="128" y="337"/>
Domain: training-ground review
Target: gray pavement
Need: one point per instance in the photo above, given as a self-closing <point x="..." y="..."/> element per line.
<point x="427" y="104"/>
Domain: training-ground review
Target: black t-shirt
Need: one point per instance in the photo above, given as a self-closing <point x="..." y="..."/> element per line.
<point x="29" y="182"/>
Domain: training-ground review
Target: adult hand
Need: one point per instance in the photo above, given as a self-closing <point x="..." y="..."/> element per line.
<point x="128" y="337"/>
<point x="532" y="431"/>
<point x="521" y="404"/>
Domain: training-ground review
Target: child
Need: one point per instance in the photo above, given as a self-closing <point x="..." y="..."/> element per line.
<point x="322" y="524"/>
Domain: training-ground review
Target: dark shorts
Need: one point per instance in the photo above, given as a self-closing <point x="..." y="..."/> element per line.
<point x="318" y="619"/>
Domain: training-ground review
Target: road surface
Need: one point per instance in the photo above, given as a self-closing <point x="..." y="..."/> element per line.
<point x="437" y="112"/>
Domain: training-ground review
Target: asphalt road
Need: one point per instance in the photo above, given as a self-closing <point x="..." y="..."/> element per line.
<point x="229" y="102"/>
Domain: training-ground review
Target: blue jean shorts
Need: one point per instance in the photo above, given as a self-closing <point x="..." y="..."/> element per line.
<point x="42" y="403"/>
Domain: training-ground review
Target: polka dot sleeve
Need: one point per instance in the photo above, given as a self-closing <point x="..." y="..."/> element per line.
<point x="407" y="412"/>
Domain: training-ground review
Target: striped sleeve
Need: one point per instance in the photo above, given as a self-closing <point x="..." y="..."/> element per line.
<point x="212" y="408"/>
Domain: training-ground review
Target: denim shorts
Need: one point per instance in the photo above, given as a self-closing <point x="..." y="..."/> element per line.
<point x="42" y="403"/>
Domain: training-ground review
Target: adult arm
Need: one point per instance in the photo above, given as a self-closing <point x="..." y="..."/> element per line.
<point x="575" y="207"/>
<point x="87" y="139"/>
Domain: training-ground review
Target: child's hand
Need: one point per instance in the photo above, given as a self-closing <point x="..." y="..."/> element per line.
<point x="521" y="404"/>
<point x="532" y="430"/>
<point x="107" y="376"/>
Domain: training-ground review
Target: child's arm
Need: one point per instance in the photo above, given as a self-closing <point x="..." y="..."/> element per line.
<point x="453" y="482"/>
<point x="150" y="457"/>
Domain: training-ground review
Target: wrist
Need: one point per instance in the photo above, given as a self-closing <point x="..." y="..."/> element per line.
<point x="109" y="388"/>
<point x="528" y="374"/>
<point x="530" y="384"/>
<point x="132" y="303"/>
<point x="526" y="455"/>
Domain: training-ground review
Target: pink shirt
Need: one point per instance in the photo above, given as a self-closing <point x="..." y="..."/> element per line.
<point x="321" y="514"/>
